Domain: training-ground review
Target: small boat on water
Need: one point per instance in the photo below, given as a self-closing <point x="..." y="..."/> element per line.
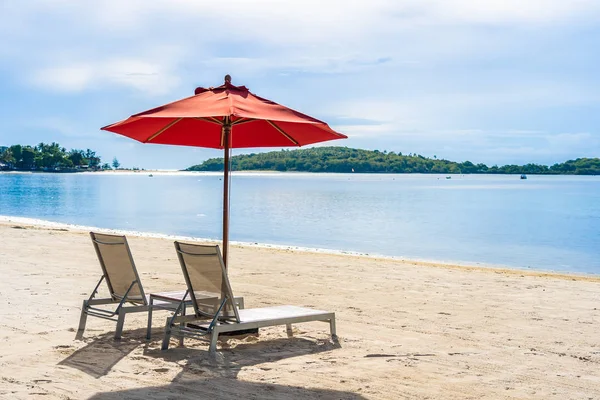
<point x="523" y="176"/>
<point x="448" y="177"/>
<point x="150" y="175"/>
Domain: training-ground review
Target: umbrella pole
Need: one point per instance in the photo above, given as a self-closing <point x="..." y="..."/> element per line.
<point x="226" y="134"/>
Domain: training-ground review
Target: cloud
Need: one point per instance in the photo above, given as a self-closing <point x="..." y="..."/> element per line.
<point x="437" y="109"/>
<point x="513" y="11"/>
<point x="64" y="126"/>
<point x="70" y="46"/>
<point x="274" y="20"/>
<point x="583" y="141"/>
<point x="482" y="145"/>
<point x="454" y="76"/>
<point x="335" y="36"/>
<point x="294" y="63"/>
<point x="65" y="78"/>
<point x="140" y="75"/>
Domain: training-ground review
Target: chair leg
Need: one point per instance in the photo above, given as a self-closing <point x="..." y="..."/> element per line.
<point x="332" y="327"/>
<point x="288" y="329"/>
<point x="182" y="325"/>
<point x="167" y="338"/>
<point x="120" y="322"/>
<point x="82" y="320"/>
<point x="149" y="328"/>
<point x="214" y="336"/>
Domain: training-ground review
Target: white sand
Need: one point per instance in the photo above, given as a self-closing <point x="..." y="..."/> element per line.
<point x="407" y="330"/>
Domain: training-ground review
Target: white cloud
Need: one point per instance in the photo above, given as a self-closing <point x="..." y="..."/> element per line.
<point x="436" y="109"/>
<point x="487" y="146"/>
<point x="426" y="73"/>
<point x="277" y="20"/>
<point x="69" y="78"/>
<point x="365" y="131"/>
<point x="579" y="140"/>
<point x="512" y="11"/>
<point x="140" y="75"/>
<point x="55" y="42"/>
<point x="64" y="126"/>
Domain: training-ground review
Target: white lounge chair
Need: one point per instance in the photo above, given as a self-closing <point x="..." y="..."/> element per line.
<point x="215" y="312"/>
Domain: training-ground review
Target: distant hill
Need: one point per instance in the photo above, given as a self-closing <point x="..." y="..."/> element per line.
<point x="344" y="159"/>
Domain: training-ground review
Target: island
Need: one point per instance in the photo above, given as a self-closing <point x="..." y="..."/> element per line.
<point x="348" y="160"/>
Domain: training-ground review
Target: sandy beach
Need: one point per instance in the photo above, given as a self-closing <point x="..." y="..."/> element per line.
<point x="406" y="330"/>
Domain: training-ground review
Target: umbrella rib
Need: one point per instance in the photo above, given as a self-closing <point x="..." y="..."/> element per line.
<point x="243" y="121"/>
<point x="211" y="120"/>
<point x="170" y="124"/>
<point x="278" y="129"/>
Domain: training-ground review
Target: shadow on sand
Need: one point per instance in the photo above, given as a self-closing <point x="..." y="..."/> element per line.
<point x="201" y="374"/>
<point x="228" y="362"/>
<point x="191" y="386"/>
<point x="101" y="353"/>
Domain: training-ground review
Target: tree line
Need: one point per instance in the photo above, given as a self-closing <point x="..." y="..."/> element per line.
<point x="344" y="160"/>
<point x="49" y="157"/>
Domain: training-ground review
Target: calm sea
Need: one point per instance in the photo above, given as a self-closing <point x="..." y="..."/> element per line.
<point x="544" y="222"/>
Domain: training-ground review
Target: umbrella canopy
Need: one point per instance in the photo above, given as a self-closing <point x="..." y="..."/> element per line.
<point x="199" y="120"/>
<point x="224" y="117"/>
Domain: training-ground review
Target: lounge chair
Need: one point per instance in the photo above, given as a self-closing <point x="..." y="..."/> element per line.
<point x="123" y="281"/>
<point x="215" y="312"/>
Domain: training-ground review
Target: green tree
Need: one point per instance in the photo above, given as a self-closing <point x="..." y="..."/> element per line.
<point x="27" y="158"/>
<point x="7" y="157"/>
<point x="17" y="152"/>
<point x="76" y="157"/>
<point x="48" y="157"/>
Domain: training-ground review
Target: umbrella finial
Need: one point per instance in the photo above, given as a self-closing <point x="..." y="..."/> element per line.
<point x="228" y="78"/>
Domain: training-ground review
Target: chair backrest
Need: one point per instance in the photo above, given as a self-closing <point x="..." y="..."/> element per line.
<point x="118" y="266"/>
<point x="207" y="280"/>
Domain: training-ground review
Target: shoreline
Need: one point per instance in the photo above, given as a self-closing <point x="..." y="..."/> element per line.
<point x="6" y="220"/>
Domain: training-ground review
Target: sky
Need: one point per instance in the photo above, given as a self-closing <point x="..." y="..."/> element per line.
<point x="498" y="82"/>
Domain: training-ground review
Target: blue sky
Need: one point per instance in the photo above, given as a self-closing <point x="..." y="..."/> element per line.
<point x="500" y="81"/>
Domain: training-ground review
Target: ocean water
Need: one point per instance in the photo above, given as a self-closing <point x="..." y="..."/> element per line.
<point x="542" y="223"/>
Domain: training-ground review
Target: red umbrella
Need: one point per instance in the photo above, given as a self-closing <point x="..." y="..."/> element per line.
<point x="225" y="117"/>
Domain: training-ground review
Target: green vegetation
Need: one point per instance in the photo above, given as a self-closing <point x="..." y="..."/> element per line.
<point x="343" y="159"/>
<point x="47" y="157"/>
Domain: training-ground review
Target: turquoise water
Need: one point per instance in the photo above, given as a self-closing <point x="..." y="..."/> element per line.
<point x="544" y="222"/>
